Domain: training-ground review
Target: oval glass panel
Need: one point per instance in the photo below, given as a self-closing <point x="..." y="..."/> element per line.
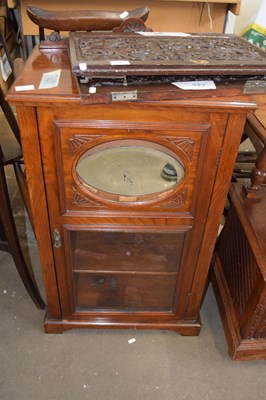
<point x="129" y="171"/>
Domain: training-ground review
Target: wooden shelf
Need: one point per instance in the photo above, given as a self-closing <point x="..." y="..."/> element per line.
<point x="234" y="4"/>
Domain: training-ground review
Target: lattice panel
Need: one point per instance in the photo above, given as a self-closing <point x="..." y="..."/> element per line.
<point x="239" y="265"/>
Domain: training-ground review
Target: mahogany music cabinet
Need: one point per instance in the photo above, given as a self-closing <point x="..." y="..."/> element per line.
<point x="127" y="196"/>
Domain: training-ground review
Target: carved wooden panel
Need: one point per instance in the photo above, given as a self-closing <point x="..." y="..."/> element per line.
<point x="84" y="201"/>
<point x="134" y="54"/>
<point x="77" y="140"/>
<point x="185" y="144"/>
<point x="258" y="323"/>
<point x="178" y="201"/>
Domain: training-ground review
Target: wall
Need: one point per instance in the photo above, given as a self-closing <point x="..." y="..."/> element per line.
<point x="164" y="15"/>
<point x="248" y="13"/>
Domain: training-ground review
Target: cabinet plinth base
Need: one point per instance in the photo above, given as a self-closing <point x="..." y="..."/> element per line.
<point x="184" y="328"/>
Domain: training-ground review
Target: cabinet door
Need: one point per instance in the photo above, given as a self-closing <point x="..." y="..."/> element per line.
<point x="129" y="200"/>
<point x="123" y="270"/>
<point x="141" y="166"/>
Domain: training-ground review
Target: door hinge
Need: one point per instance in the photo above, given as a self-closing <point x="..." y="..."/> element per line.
<point x="125" y="96"/>
<point x="57" y="239"/>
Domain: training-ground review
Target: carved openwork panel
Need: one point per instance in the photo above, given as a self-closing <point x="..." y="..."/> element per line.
<point x="134" y="54"/>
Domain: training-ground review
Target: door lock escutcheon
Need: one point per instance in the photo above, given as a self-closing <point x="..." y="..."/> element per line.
<point x="57" y="239"/>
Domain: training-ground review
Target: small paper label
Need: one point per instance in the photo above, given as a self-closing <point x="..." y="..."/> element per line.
<point x="82" y="66"/>
<point x="50" y="79"/>
<point x="25" y="87"/>
<point x="164" y="34"/>
<point x="124" y="15"/>
<point x="92" y="89"/>
<point x="5" y="67"/>
<point x="195" y="85"/>
<point x="120" y="62"/>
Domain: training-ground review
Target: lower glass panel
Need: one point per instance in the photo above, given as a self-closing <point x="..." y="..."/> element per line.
<point x="126" y="251"/>
<point x="133" y="292"/>
<point x="129" y="270"/>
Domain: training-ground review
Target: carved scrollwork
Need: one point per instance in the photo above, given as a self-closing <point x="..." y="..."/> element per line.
<point x="83" y="201"/>
<point x="206" y="50"/>
<point x="185" y="144"/>
<point x="258" y="324"/>
<point x="177" y="202"/>
<point x="132" y="25"/>
<point x="76" y="141"/>
<point x="54" y="41"/>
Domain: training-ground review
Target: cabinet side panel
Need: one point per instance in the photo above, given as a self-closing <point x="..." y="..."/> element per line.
<point x="33" y="164"/>
<point x="225" y="166"/>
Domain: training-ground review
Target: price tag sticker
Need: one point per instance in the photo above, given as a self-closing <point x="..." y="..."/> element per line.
<point x="120" y="62"/>
<point x="24" y="87"/>
<point x="195" y="85"/>
<point x="175" y="34"/>
<point x="123" y="15"/>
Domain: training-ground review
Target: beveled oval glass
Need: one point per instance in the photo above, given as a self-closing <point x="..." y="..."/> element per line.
<point x="129" y="172"/>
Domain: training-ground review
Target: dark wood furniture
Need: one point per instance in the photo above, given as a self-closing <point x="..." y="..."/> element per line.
<point x="11" y="154"/>
<point x="239" y="262"/>
<point x="184" y="15"/>
<point x="81" y="20"/>
<point x="116" y="257"/>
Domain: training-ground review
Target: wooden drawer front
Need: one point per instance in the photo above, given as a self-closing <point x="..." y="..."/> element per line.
<point x="134" y="292"/>
<point x="184" y="144"/>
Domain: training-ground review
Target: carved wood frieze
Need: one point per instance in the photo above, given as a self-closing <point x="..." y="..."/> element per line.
<point x="158" y="55"/>
<point x="77" y="140"/>
<point x="177" y="202"/>
<point x="83" y="201"/>
<point x="185" y="144"/>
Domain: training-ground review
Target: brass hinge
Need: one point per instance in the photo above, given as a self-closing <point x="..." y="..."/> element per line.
<point x="125" y="96"/>
<point x="57" y="239"/>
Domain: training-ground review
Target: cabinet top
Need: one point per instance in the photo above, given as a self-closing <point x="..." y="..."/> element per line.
<point x="30" y="88"/>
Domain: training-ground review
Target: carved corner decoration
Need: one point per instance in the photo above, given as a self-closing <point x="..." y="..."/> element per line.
<point x="177" y="202"/>
<point x="257" y="330"/>
<point x="54" y="41"/>
<point x="77" y="141"/>
<point x="132" y="25"/>
<point x="81" y="200"/>
<point x="185" y="144"/>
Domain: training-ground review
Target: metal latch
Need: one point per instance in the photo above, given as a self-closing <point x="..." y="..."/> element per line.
<point x="57" y="239"/>
<point x="124" y="96"/>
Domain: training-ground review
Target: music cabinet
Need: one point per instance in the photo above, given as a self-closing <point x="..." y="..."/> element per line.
<point x="126" y="196"/>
